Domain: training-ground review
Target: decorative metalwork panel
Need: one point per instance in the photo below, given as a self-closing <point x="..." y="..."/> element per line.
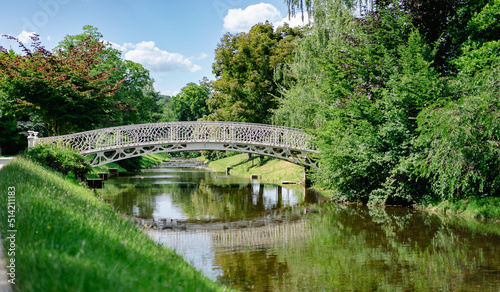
<point x="109" y="144"/>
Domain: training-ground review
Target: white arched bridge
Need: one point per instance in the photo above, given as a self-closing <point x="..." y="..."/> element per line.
<point x="118" y="143"/>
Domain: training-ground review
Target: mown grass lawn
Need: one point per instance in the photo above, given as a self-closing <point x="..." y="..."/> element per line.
<point x="69" y="240"/>
<point x="268" y="169"/>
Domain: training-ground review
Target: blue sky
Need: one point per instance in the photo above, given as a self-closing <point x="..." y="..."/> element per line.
<point x="175" y="40"/>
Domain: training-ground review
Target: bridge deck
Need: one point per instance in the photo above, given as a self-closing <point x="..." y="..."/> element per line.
<point x="134" y="140"/>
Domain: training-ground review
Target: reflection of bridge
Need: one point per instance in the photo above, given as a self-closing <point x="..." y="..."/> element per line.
<point x="278" y="233"/>
<point x="118" y="143"/>
<point x="236" y="237"/>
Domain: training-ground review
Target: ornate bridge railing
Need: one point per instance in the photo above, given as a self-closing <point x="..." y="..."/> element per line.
<point x="117" y="143"/>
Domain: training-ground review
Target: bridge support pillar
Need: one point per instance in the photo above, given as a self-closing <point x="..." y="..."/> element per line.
<point x="306" y="180"/>
<point x="32" y="137"/>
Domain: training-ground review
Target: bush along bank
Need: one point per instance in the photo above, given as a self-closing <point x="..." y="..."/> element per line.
<point x="75" y="165"/>
<point x="68" y="240"/>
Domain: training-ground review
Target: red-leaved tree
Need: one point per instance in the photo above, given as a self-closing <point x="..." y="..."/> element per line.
<point x="63" y="88"/>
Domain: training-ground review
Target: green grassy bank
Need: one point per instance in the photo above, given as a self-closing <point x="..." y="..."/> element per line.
<point x="268" y="169"/>
<point x="485" y="208"/>
<point x="69" y="240"/>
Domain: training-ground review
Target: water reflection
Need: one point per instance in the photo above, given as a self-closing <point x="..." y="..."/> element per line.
<point x="400" y="250"/>
<point x="338" y="248"/>
<point x="191" y="194"/>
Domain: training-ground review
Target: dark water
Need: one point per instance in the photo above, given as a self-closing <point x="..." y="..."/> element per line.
<point x="260" y="237"/>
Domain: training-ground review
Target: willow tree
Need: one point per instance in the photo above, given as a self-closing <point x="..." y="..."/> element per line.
<point x="461" y="137"/>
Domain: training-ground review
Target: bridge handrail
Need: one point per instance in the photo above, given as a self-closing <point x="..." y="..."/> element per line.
<point x="179" y="132"/>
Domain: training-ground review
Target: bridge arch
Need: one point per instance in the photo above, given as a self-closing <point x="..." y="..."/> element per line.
<point x="117" y="143"/>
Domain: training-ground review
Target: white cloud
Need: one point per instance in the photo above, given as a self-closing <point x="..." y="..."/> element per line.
<point x="123" y="47"/>
<point x="170" y="93"/>
<point x="294" y="21"/>
<point x="155" y="59"/>
<point x="242" y="20"/>
<point x="239" y="20"/>
<point x="24" y="37"/>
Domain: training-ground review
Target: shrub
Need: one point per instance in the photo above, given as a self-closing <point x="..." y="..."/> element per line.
<point x="63" y="160"/>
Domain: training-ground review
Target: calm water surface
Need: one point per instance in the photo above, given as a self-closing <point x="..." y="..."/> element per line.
<point x="261" y="237"/>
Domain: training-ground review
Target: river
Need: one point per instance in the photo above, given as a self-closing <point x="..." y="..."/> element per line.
<point x="264" y="237"/>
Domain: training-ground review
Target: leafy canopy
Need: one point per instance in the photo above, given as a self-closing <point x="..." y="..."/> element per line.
<point x="62" y="88"/>
<point x="245" y="87"/>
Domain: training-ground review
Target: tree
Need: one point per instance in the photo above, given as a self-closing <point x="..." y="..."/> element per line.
<point x="165" y="109"/>
<point x="461" y="137"/>
<point x="245" y="87"/>
<point x="442" y="23"/>
<point x="364" y="80"/>
<point x="61" y="88"/>
<point x="135" y="101"/>
<point x="8" y="126"/>
<point x="191" y="103"/>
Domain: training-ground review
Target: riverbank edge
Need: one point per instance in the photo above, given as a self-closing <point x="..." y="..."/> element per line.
<point x="481" y="209"/>
<point x="80" y="242"/>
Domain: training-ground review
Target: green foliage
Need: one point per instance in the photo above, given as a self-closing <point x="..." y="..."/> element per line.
<point x="191" y="103"/>
<point x="371" y="95"/>
<point x="135" y="101"/>
<point x="216" y="155"/>
<point x="60" y="159"/>
<point x="62" y="88"/>
<point x="485" y="25"/>
<point x="245" y="85"/>
<point x="8" y="129"/>
<point x="141" y="162"/>
<point x="462" y="142"/>
<point x="462" y="138"/>
<point x="389" y="127"/>
<point x="131" y="164"/>
<point x="165" y="109"/>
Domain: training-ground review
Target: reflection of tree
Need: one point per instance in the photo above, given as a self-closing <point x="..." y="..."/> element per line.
<point x="223" y="202"/>
<point x="137" y="196"/>
<point x="199" y="194"/>
<point x="244" y="270"/>
<point x="355" y="248"/>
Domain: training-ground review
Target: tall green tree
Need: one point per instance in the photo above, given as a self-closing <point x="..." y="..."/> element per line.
<point x="461" y="136"/>
<point x="135" y="102"/>
<point x="404" y="106"/>
<point x="442" y="23"/>
<point x="165" y="109"/>
<point x="364" y="81"/>
<point x="191" y="103"/>
<point x="245" y="87"/>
